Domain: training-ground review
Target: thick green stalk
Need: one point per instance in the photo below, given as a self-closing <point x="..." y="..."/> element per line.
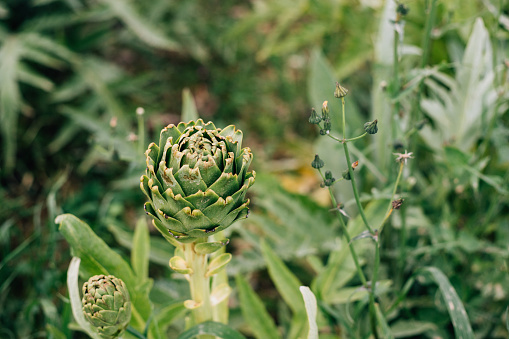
<point x="199" y="284"/>
<point x="220" y="312"/>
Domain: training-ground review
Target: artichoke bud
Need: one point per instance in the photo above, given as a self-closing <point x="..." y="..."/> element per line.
<point x="106" y="305"/>
<point x="329" y="180"/>
<point x="340" y="91"/>
<point x="314" y="118"/>
<point x="317" y="163"/>
<point x="325" y="111"/>
<point x="323" y="131"/>
<point x="196" y="180"/>
<point x="371" y="127"/>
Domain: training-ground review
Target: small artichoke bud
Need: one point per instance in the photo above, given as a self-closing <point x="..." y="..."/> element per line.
<point x="329" y="180"/>
<point x="314" y="118"/>
<point x="325" y="111"/>
<point x="371" y="127"/>
<point x="317" y="163"/>
<point x="106" y="305"/>
<point x="346" y="175"/>
<point x="323" y="132"/>
<point x="340" y="91"/>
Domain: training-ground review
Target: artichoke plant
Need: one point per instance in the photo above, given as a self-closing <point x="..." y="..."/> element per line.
<point x="106" y="305"/>
<point x="196" y="180"/>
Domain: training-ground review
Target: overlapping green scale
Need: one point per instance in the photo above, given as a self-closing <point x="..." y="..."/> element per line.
<point x="196" y="179"/>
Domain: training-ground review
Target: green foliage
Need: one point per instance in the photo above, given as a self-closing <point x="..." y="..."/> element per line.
<point x="73" y="73"/>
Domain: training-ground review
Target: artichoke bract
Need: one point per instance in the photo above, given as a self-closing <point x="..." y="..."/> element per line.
<point x="196" y="180"/>
<point x="106" y="305"/>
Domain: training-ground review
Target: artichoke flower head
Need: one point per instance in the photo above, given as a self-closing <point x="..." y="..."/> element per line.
<point x="196" y="180"/>
<point x="106" y="305"/>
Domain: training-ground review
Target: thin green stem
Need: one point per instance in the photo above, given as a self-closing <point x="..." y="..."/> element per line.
<point x="356" y="138"/>
<point x="350" y="170"/>
<point x="389" y="208"/>
<point x="374" y="280"/>
<point x="348" y="239"/>
<point x="348" y="140"/>
<point x="396" y="84"/>
<point x="372" y="310"/>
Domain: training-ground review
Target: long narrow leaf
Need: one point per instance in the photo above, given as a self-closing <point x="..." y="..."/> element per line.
<point x="141" y="250"/>
<point x="141" y="26"/>
<point x="254" y="312"/>
<point x="311" y="310"/>
<point x="455" y="307"/>
<point x="286" y="282"/>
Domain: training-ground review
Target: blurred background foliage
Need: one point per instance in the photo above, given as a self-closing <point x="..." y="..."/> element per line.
<point x="74" y="72"/>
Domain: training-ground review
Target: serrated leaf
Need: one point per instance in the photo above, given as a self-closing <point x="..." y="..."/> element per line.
<point x="254" y="312"/>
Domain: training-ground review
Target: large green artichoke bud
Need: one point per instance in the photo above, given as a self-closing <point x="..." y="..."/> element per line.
<point x="106" y="305"/>
<point x="196" y="180"/>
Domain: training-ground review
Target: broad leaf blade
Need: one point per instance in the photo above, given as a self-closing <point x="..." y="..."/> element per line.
<point x="101" y="259"/>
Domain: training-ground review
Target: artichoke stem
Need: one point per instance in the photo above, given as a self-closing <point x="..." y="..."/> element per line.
<point x="199" y="284"/>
